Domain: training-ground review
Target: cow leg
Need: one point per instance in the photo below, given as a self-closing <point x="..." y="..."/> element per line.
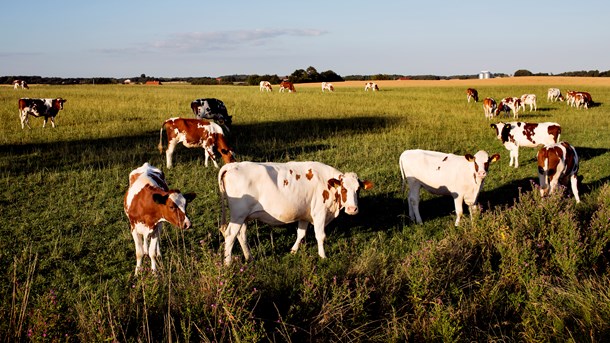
<point x="301" y="230"/>
<point x="241" y="237"/>
<point x="318" y="227"/>
<point x="209" y="154"/>
<point x="24" y="120"/>
<point x="413" y="199"/>
<point x="44" y="123"/>
<point x="154" y="249"/>
<point x="53" y="122"/>
<point x="458" y="208"/>
<point x="171" y="145"/>
<point x="514" y="158"/>
<point x="574" y="184"/>
<point x="230" y="234"/>
<point x="137" y="239"/>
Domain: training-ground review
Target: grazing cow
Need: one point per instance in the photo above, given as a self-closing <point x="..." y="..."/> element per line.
<point x="282" y="193"/>
<point x="509" y="104"/>
<point x="211" y="108"/>
<point x="529" y="99"/>
<point x="47" y="108"/>
<point x="194" y="133"/>
<point x="558" y="165"/>
<point x="20" y="83"/>
<point x="461" y="177"/>
<point x="489" y="106"/>
<point x="520" y="134"/>
<point x="287" y="85"/>
<point x="554" y="94"/>
<point x="148" y="203"/>
<point x="327" y="86"/>
<point x="472" y="93"/>
<point x="576" y="99"/>
<point x="265" y="86"/>
<point x="371" y="85"/>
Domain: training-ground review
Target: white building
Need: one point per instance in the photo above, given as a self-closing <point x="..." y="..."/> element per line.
<point x="484" y="75"/>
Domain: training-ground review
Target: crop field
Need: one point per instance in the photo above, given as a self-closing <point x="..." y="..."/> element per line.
<point x="523" y="269"/>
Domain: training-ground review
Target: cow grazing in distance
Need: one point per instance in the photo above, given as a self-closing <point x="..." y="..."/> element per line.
<point x="558" y="165"/>
<point x="577" y="99"/>
<point x="287" y="85"/>
<point x="195" y="133"/>
<point x="520" y="134"/>
<point x="372" y="86"/>
<point x="489" y="107"/>
<point x="440" y="173"/>
<point x="327" y="86"/>
<point x="529" y="99"/>
<point x="509" y="104"/>
<point x="47" y="108"/>
<point x="20" y="84"/>
<point x="282" y="193"/>
<point x="554" y="94"/>
<point x="472" y="93"/>
<point x="265" y="86"/>
<point x="148" y="203"/>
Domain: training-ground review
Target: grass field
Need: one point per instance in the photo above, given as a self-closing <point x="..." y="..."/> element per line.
<point x="525" y="269"/>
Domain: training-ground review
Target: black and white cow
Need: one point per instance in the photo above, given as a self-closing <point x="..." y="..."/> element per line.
<point x="47" y="108"/>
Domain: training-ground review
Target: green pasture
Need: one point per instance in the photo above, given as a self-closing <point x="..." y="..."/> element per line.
<point x="67" y="257"/>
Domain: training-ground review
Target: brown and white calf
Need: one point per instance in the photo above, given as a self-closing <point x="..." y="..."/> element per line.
<point x="287" y="85"/>
<point x="472" y="93"/>
<point x="282" y="193"/>
<point x="47" y="108"/>
<point x="529" y="99"/>
<point x="509" y="104"/>
<point x="195" y="133"/>
<point x="520" y="134"/>
<point x="372" y="86"/>
<point x="577" y="98"/>
<point x="20" y="84"/>
<point x="554" y="94"/>
<point x="327" y="86"/>
<point x="489" y="107"/>
<point x="148" y="203"/>
<point x="265" y="86"/>
<point x="558" y="165"/>
<point x="461" y="177"/>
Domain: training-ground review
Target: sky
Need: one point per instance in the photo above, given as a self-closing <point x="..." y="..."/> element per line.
<point x="189" y="38"/>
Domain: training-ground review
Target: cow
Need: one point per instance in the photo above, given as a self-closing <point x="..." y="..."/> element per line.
<point x="287" y="85"/>
<point x="554" y="94"/>
<point x="440" y="173"/>
<point x="472" y="93"/>
<point x="265" y="86"/>
<point x="47" y="108"/>
<point x="211" y="108"/>
<point x="194" y="133"/>
<point x="576" y="99"/>
<point x="282" y="193"/>
<point x="489" y="107"/>
<point x="509" y="104"/>
<point x="529" y="99"/>
<point x="520" y="134"/>
<point x="148" y="203"/>
<point x="558" y="165"/>
<point x="327" y="86"/>
<point x="372" y="86"/>
<point x="20" y="84"/>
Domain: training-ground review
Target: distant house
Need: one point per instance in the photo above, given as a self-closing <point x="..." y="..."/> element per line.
<point x="153" y="83"/>
<point x="127" y="82"/>
<point x="484" y="75"/>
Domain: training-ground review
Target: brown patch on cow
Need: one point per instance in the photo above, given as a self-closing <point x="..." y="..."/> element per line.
<point x="290" y="171"/>
<point x="309" y="174"/>
<point x="555" y="131"/>
<point x="325" y="195"/>
<point x="528" y="131"/>
<point x="298" y="176"/>
<point x="285" y="182"/>
<point x="344" y="194"/>
<point x="445" y="159"/>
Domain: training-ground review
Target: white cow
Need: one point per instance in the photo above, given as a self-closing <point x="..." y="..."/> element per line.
<point x="461" y="177"/>
<point x="372" y="86"/>
<point x="529" y="99"/>
<point x="554" y="94"/>
<point x="558" y="165"/>
<point x="265" y="86"/>
<point x="520" y="134"/>
<point x="281" y="193"/>
<point x="328" y="87"/>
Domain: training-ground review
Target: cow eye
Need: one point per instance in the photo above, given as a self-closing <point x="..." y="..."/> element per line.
<point x="540" y="170"/>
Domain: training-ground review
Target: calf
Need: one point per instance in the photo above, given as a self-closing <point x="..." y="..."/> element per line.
<point x="20" y="84"/>
<point x="148" y="203"/>
<point x="282" y="193"/>
<point x="265" y="86"/>
<point x="327" y="86"/>
<point x="558" y="165"/>
<point x="489" y="107"/>
<point x="194" y="133"/>
<point x="509" y="104"/>
<point x="461" y="177"/>
<point x="472" y="93"/>
<point x="47" y="108"/>
<point x="529" y="99"/>
<point x="287" y="85"/>
<point x="554" y="94"/>
<point x="517" y="134"/>
<point x="371" y="85"/>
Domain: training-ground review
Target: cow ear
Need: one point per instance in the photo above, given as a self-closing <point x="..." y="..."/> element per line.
<point x="469" y="157"/>
<point x="333" y="183"/>
<point x="189" y="196"/>
<point x="493" y="126"/>
<point x="366" y="184"/>
<point x="160" y="199"/>
<point x="495" y="157"/>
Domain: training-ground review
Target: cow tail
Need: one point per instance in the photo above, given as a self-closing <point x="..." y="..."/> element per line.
<point x="223" y="200"/>
<point x="160" y="146"/>
<point x="402" y="174"/>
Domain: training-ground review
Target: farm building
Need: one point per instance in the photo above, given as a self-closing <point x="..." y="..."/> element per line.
<point x="154" y="83"/>
<point x="484" y="75"/>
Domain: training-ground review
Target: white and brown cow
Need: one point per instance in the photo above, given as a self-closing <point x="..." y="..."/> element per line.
<point x="558" y="165"/>
<point x="265" y="86"/>
<point x="578" y="98"/>
<point x="327" y="86"/>
<point x="195" y="133"/>
<point x="372" y="86"/>
<point x="148" y="203"/>
<point x="520" y="134"/>
<point x="554" y="94"/>
<point x="489" y="107"/>
<point x="509" y="104"/>
<point x="282" y="193"/>
<point x="472" y="93"/>
<point x="47" y="108"/>
<point x="20" y="84"/>
<point x="529" y="99"/>
<point x="287" y="85"/>
<point x="440" y="173"/>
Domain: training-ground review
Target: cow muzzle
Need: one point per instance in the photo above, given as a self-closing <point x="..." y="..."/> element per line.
<point x="351" y="210"/>
<point x="187" y="224"/>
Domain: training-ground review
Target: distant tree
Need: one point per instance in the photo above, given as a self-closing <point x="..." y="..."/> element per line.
<point x="329" y="76"/>
<point x="523" y="72"/>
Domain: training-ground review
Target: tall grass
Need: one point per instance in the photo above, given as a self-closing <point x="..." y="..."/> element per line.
<point x="524" y="269"/>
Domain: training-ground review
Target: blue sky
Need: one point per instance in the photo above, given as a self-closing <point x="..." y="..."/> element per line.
<point x="108" y="38"/>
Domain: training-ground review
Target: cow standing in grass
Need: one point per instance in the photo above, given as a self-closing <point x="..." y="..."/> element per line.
<point x="47" y="108"/>
<point x="472" y="93"/>
<point x="558" y="165"/>
<point x="520" y="134"/>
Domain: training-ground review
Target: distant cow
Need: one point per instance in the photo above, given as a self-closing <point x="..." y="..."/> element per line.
<point x="577" y="99"/>
<point x="371" y="85"/>
<point x="520" y="134"/>
<point x="489" y="107"/>
<point x="328" y="87"/>
<point x="265" y="86"/>
<point x="554" y="94"/>
<point x="20" y="84"/>
<point x="529" y="99"/>
<point x="472" y="93"/>
<point x="282" y="193"/>
<point x="461" y="177"/>
<point x="211" y="108"/>
<point x="47" y="108"/>
<point x="287" y="85"/>
<point x="509" y="104"/>
<point x="195" y="133"/>
<point x="558" y="165"/>
<point x="148" y="203"/>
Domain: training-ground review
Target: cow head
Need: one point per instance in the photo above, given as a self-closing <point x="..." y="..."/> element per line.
<point x="58" y="103"/>
<point x="550" y="160"/>
<point x="481" y="162"/>
<point x="348" y="185"/>
<point x="172" y="207"/>
<point x="500" y="128"/>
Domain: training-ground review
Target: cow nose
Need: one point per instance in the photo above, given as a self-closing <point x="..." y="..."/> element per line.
<point x="187" y="224"/>
<point x="351" y="210"/>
